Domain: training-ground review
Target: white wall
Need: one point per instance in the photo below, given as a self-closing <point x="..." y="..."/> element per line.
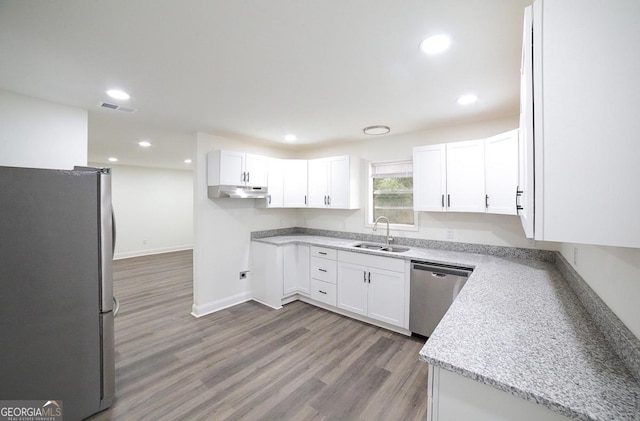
<point x="222" y="229"/>
<point x="41" y="134"/>
<point x="477" y="228"/>
<point x="614" y="274"/>
<point x="153" y="209"/>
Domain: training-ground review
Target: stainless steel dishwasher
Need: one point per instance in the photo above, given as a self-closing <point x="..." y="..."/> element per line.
<point x="434" y="286"/>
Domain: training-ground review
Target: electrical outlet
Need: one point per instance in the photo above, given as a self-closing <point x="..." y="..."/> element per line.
<point x="575" y="256"/>
<point x="144" y="242"/>
<point x="449" y="234"/>
<point x="243" y="274"/>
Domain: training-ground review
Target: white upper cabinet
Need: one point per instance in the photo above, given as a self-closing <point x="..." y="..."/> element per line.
<point x="228" y="168"/>
<point x="586" y="127"/>
<point x="333" y="183"/>
<point x="501" y="173"/>
<point x="295" y="183"/>
<point x="275" y="183"/>
<point x="318" y="182"/>
<point x="256" y="167"/>
<point x="430" y="178"/>
<point x="465" y="176"/>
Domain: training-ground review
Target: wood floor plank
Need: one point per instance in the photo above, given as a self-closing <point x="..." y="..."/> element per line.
<point x="250" y="362"/>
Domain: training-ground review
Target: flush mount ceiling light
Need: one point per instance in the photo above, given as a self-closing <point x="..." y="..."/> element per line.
<point x="376" y="130"/>
<point x="290" y="137"/>
<point x="118" y="94"/>
<point x="187" y="161"/>
<point x="435" y="44"/>
<point x="144" y="143"/>
<point x="467" y="99"/>
<point x="113" y="159"/>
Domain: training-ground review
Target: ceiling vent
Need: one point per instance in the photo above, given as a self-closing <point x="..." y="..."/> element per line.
<point x="118" y="107"/>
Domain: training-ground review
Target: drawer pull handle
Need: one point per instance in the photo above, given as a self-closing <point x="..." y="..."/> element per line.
<point x="322" y="253"/>
<point x="322" y="270"/>
<point x="322" y="292"/>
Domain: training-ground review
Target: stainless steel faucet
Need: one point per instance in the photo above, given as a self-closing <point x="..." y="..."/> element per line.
<point x="375" y="227"/>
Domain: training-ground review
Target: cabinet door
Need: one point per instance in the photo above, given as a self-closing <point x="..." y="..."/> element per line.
<point x="429" y="178"/>
<point x="318" y="183"/>
<point x="275" y="183"/>
<point x="256" y="167"/>
<point x="303" y="279"/>
<point x="352" y="288"/>
<point x="525" y="138"/>
<point x="231" y="168"/>
<point x="501" y="173"/>
<point x="386" y="296"/>
<point x="465" y="176"/>
<point x="586" y="121"/>
<point x="295" y="183"/>
<point x="339" y="182"/>
<point x="290" y="269"/>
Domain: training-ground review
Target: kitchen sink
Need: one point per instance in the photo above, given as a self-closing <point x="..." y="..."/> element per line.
<point x="382" y="247"/>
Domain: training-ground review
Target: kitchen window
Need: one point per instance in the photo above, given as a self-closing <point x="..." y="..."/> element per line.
<point x="391" y="193"/>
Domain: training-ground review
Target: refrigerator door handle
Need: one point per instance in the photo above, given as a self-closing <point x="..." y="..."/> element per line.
<point x="116" y="306"/>
<point x="113" y="232"/>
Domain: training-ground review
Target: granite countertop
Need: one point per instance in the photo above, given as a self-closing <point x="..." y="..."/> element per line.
<point x="518" y="326"/>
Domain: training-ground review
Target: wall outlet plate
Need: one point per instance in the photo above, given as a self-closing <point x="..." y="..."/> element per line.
<point x="244" y="274"/>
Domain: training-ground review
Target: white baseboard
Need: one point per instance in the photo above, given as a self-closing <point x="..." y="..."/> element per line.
<point x="265" y="304"/>
<point x="203" y="310"/>
<point x="150" y="252"/>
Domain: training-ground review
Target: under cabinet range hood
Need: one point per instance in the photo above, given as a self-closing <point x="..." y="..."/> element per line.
<point x="237" y="192"/>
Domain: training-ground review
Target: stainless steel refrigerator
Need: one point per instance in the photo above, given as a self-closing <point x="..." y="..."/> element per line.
<point x="56" y="294"/>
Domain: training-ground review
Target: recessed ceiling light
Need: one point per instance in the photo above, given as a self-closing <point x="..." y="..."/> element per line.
<point x="118" y="94"/>
<point x="112" y="159"/>
<point x="144" y="143"/>
<point x="187" y="161"/>
<point x="376" y="130"/>
<point x="467" y="99"/>
<point x="435" y="44"/>
<point x="290" y="138"/>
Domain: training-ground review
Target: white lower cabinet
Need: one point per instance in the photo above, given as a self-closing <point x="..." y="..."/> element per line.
<point x="374" y="289"/>
<point x="365" y="288"/>
<point x="295" y="269"/>
<point x="453" y="397"/>
<point x="323" y="270"/>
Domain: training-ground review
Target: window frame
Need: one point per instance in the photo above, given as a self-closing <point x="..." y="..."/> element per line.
<point x="368" y="215"/>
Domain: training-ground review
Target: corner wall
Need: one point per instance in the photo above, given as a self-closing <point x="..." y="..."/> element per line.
<point x="222" y="231"/>
<point x="39" y="134"/>
<point x="614" y="274"/>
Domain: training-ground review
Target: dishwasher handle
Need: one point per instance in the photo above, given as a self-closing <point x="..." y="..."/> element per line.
<point x="439" y="270"/>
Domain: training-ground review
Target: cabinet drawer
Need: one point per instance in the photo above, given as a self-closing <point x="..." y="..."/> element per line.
<point x="324" y="269"/>
<point x="324" y="252"/>
<point x="323" y="291"/>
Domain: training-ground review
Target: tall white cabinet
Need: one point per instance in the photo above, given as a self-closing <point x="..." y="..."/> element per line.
<point x="585" y="88"/>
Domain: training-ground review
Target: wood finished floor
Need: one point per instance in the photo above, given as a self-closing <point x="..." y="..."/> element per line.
<point x="250" y="362"/>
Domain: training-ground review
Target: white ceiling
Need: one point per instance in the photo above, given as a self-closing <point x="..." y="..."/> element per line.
<point x="260" y="69"/>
